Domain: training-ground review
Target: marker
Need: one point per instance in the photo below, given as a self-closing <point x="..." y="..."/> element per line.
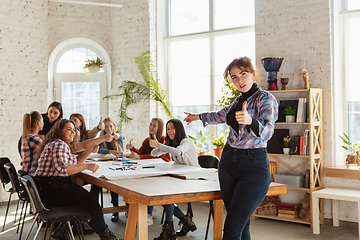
<point x="149" y="167"/>
<point x="118" y="168"/>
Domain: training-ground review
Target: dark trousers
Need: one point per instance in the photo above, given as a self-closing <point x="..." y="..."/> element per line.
<point x="61" y="192"/>
<point x="244" y="178"/>
<point x="172" y="210"/>
<point x="95" y="190"/>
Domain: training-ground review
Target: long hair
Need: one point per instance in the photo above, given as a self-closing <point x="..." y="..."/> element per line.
<point x="58" y="106"/>
<point x="179" y="133"/>
<point x="114" y="144"/>
<point x="82" y="120"/>
<point x="243" y="63"/>
<point x="159" y="133"/>
<point x="29" y="121"/>
<point x="54" y="134"/>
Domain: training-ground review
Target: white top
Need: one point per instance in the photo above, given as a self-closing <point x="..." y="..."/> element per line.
<point x="185" y="153"/>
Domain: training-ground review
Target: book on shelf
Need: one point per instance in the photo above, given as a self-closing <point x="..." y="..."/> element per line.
<point x="301" y="110"/>
<point x="287" y="216"/>
<point x="296" y="145"/>
<point x="288" y="212"/>
<point x="288" y="206"/>
<point x="301" y="145"/>
<point x="306" y="142"/>
<point x="307" y="179"/>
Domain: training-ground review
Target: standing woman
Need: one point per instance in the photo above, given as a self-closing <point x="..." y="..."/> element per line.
<point x="53" y="177"/>
<point x="86" y="134"/>
<point x="32" y="124"/>
<point x="244" y="173"/>
<point x="114" y="147"/>
<point x="53" y="113"/>
<point x="182" y="150"/>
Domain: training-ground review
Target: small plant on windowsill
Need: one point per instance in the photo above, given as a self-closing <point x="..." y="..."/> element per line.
<point x="92" y="65"/>
<point x="352" y="159"/>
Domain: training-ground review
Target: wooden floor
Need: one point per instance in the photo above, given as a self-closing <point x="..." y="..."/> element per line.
<point x="261" y="229"/>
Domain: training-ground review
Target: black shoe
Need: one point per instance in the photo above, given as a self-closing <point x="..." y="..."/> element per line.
<point x="61" y="234"/>
<point x="187" y="225"/>
<point x="107" y="235"/>
<point x="115" y="217"/>
<point x="168" y="232"/>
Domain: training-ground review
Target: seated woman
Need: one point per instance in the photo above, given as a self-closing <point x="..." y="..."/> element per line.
<point x="182" y="150"/>
<point x="56" y="164"/>
<point x="114" y="147"/>
<point x="86" y="134"/>
<point x="53" y="113"/>
<point x="156" y="127"/>
<point x="32" y="124"/>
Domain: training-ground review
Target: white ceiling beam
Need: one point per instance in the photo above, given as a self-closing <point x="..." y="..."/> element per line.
<point x="89" y="3"/>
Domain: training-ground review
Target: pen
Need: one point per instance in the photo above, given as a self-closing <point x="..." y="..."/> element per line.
<point x="149" y="167"/>
<point x="118" y="168"/>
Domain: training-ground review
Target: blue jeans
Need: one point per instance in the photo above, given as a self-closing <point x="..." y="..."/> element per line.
<point x="172" y="210"/>
<point x="244" y="178"/>
<point x="95" y="190"/>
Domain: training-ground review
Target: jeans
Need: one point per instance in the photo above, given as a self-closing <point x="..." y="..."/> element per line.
<point x="61" y="192"/>
<point x="172" y="210"/>
<point x="95" y="190"/>
<point x="244" y="178"/>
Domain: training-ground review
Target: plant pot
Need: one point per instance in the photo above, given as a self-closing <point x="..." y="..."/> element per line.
<point x="289" y="118"/>
<point x="218" y="152"/>
<point x="201" y="153"/>
<point x="93" y="69"/>
<point x="286" y="150"/>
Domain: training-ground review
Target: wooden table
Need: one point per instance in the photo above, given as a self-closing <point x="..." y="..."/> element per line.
<point x="154" y="191"/>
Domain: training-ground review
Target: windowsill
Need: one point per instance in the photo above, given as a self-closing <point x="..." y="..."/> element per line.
<point x="343" y="172"/>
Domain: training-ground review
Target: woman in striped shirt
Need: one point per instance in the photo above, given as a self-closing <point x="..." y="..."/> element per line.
<point x="244" y="173"/>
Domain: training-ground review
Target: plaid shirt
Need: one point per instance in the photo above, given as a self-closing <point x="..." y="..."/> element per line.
<point x="54" y="160"/>
<point x="262" y="107"/>
<point x="28" y="153"/>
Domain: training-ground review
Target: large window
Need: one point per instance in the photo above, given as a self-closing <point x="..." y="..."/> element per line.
<point x="351" y="39"/>
<point x="204" y="36"/>
<point x="78" y="92"/>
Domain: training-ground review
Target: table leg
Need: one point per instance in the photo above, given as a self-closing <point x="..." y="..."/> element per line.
<point x="218" y="219"/>
<point x="142" y="227"/>
<point x="336" y="212"/>
<point x="315" y="214"/>
<point x="359" y="218"/>
<point x="131" y="220"/>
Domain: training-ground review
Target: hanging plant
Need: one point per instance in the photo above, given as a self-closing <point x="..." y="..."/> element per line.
<point x="133" y="92"/>
<point x="92" y="65"/>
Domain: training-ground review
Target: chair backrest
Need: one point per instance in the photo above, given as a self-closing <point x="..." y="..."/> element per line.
<point x="3" y="174"/>
<point x="208" y="161"/>
<point x="33" y="193"/>
<point x="14" y="178"/>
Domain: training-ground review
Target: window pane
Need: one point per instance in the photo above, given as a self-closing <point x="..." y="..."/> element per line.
<point x="353" y="5"/>
<point x="189" y="66"/>
<point x="225" y="52"/>
<point x="195" y="127"/>
<point x="233" y="13"/>
<point x="354" y="122"/>
<point x="189" y="16"/>
<point x="74" y="59"/>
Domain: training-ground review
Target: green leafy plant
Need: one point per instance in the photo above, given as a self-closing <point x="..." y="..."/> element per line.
<point x="348" y="145"/>
<point x="198" y="141"/>
<point x="98" y="63"/>
<point x="229" y="95"/>
<point x="286" y="142"/>
<point x="221" y="141"/>
<point x="289" y="110"/>
<point x="136" y="91"/>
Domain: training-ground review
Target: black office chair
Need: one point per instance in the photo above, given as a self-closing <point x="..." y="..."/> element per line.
<point x="21" y="192"/>
<point x="5" y="180"/>
<point x="54" y="215"/>
<point x="209" y="161"/>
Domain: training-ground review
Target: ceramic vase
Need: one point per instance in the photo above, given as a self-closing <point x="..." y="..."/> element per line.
<point x="286" y="150"/>
<point x="289" y="118"/>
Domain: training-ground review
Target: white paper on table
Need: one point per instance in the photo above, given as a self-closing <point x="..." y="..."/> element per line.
<point x="160" y="168"/>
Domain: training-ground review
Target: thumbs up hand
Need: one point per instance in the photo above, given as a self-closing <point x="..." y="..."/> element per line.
<point x="101" y="125"/>
<point x="243" y="117"/>
<point x="154" y="142"/>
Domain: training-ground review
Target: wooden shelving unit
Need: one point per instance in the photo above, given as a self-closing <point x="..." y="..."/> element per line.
<point x="315" y="157"/>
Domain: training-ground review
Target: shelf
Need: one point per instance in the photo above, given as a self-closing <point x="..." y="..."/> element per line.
<point x="296" y="220"/>
<point x="300" y="189"/>
<point x="288" y="91"/>
<point x="288" y="155"/>
<point x="292" y="123"/>
<point x="343" y="172"/>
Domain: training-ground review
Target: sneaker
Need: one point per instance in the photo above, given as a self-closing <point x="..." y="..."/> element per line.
<point x="150" y="220"/>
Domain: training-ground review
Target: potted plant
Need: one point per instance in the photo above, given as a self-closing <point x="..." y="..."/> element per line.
<point x="92" y="66"/>
<point x="199" y="143"/>
<point x="219" y="144"/>
<point x="290" y="112"/>
<point x="352" y="158"/>
<point x="286" y="144"/>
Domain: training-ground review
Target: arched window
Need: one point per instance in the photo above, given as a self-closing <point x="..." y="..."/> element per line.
<point x="78" y="92"/>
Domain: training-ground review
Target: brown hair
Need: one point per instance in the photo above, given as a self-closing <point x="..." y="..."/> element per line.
<point x="114" y="143"/>
<point x="54" y="134"/>
<point x="159" y="134"/>
<point x="82" y="120"/>
<point x="243" y="63"/>
<point x="29" y="121"/>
